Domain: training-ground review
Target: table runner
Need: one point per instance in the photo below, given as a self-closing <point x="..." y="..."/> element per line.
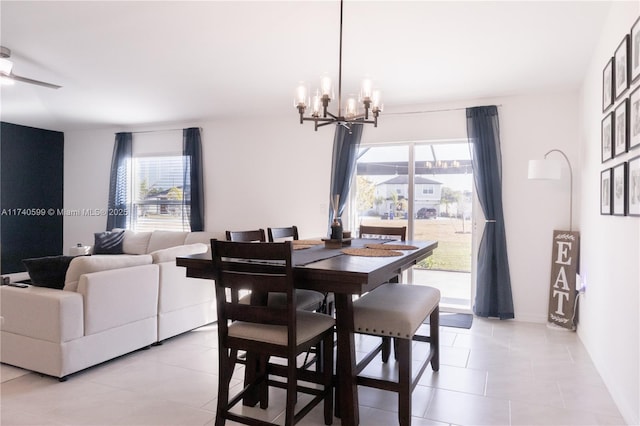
<point x="319" y="252"/>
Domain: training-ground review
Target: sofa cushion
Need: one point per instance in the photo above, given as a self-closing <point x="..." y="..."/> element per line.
<point x="108" y="242"/>
<point x="135" y="242"/>
<point x="48" y="271"/>
<point x="170" y="254"/>
<point x="203" y="237"/>
<point x="86" y="264"/>
<point x="164" y="239"/>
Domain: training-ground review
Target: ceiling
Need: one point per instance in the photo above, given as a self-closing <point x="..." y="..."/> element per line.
<point x="132" y="64"/>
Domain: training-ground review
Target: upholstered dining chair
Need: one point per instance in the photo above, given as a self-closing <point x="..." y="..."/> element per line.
<point x="392" y="232"/>
<point x="397" y="311"/>
<point x="256" y="235"/>
<point x="266" y="331"/>
<point x="308" y="300"/>
<point x="280" y="233"/>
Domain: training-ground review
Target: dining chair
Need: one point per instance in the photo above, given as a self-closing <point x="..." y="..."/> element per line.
<point x="256" y="235"/>
<point x="308" y="300"/>
<point x="266" y="331"/>
<point x="398" y="310"/>
<point x="392" y="232"/>
<point x="279" y="233"/>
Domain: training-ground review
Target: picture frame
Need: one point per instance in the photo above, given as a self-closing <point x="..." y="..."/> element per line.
<point x="633" y="186"/>
<point x="607" y="137"/>
<point x="607" y="85"/>
<point x="621" y="67"/>
<point x="619" y="189"/>
<point x="605" y="192"/>
<point x="621" y="129"/>
<point x="634" y="118"/>
<point x="634" y="54"/>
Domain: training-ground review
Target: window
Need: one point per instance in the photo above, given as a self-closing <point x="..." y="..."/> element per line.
<point x="159" y="196"/>
<point x="427" y="190"/>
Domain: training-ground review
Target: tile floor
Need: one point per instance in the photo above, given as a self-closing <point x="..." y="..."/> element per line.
<point x="496" y="373"/>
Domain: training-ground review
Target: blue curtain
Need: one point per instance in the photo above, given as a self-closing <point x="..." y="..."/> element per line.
<point x="193" y="184"/>
<point x="345" y="154"/>
<point x="119" y="182"/>
<point x="493" y="292"/>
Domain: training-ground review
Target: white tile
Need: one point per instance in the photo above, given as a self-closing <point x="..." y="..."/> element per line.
<point x="466" y="409"/>
<point x="456" y="379"/>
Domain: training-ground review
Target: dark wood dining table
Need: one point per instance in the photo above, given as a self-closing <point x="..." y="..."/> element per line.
<point x="329" y="270"/>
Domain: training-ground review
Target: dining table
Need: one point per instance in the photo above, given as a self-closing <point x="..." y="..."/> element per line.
<point x="330" y="270"/>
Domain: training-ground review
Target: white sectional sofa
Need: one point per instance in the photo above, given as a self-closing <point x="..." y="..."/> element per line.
<point x="110" y="305"/>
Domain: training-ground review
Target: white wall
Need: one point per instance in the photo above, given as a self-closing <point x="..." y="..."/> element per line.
<point x="275" y="172"/>
<point x="610" y="259"/>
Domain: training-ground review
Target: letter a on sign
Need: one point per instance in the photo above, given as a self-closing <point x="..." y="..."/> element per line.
<point x="564" y="265"/>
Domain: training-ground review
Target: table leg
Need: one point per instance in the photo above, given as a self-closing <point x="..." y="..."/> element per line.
<point x="346" y="362"/>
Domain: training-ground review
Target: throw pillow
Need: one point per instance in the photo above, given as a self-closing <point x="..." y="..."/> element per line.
<point x="48" y="271"/>
<point x="108" y="242"/>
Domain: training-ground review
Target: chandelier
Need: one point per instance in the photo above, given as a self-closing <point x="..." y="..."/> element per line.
<point x="369" y="98"/>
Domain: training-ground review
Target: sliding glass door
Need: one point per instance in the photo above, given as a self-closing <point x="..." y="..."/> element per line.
<point x="428" y="187"/>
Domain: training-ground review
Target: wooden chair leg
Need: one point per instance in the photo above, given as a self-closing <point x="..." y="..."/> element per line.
<point x="327" y="371"/>
<point x="292" y="383"/>
<point x="434" y="339"/>
<point x="263" y="386"/>
<point x="386" y="349"/>
<point x="227" y="364"/>
<point x="404" y="380"/>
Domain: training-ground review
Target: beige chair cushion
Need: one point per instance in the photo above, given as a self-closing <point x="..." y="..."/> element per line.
<point x="394" y="310"/>
<point x="309" y="324"/>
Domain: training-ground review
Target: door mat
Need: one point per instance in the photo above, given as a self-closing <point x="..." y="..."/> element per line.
<point x="449" y="319"/>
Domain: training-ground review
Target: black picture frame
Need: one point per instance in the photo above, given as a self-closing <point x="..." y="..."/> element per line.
<point x="607" y="135"/>
<point x="621" y="68"/>
<point x="633" y="186"/>
<point x="619" y="189"/>
<point x="607" y="85"/>
<point x="634" y="55"/>
<point x="621" y="128"/>
<point x="605" y="192"/>
<point x="634" y="119"/>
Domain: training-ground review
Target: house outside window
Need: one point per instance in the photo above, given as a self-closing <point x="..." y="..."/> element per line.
<point x="159" y="202"/>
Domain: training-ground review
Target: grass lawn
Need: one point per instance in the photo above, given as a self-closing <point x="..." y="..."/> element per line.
<point x="454" y="241"/>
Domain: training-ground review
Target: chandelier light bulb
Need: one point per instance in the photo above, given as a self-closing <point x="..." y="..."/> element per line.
<point x="351" y="108"/>
<point x="366" y="90"/>
<point x="376" y="100"/>
<point x="326" y="86"/>
<point x="301" y="99"/>
<point x="316" y="105"/>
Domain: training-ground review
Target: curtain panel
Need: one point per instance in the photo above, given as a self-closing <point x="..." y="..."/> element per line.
<point x="346" y="143"/>
<point x="493" y="292"/>
<point x="193" y="191"/>
<point x="119" y="182"/>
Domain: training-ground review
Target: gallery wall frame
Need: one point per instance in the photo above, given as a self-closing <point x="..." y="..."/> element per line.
<point x="634" y="62"/>
<point x="633" y="186"/>
<point x="607" y="85"/>
<point x="607" y="136"/>
<point x="621" y="128"/>
<point x="634" y="118"/>
<point x="605" y="192"/>
<point x="619" y="189"/>
<point x="621" y="67"/>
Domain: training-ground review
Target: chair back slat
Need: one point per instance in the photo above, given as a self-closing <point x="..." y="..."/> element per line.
<point x="257" y="235"/>
<point x="384" y="231"/>
<point x="279" y="233"/>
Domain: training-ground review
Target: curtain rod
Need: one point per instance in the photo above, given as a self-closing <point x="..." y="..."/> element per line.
<point x="158" y="131"/>
<point x="430" y="111"/>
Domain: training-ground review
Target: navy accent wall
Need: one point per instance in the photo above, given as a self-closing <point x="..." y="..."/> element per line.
<point x="31" y="191"/>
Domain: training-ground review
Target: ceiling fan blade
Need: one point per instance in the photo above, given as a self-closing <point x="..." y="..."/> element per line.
<point x="32" y="81"/>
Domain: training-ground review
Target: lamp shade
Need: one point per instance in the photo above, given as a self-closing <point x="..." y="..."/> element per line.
<point x="544" y="169"/>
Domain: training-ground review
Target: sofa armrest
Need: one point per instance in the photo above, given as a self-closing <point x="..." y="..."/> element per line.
<point x="119" y="296"/>
<point x="42" y="313"/>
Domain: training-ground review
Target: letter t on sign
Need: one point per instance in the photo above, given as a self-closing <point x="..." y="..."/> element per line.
<point x="564" y="266"/>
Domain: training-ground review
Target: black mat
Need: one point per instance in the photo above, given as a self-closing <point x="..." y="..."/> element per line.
<point x="448" y="319"/>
